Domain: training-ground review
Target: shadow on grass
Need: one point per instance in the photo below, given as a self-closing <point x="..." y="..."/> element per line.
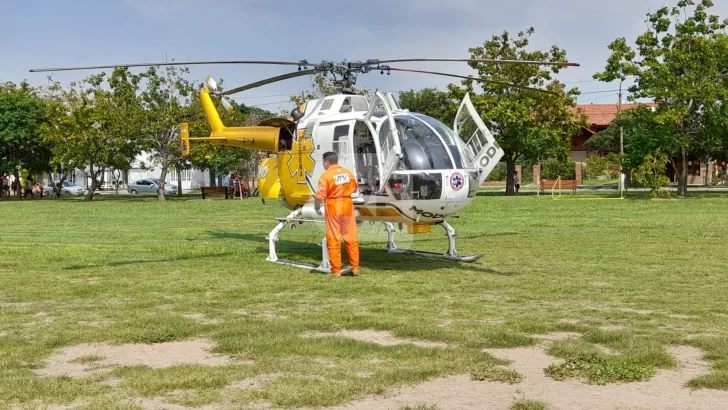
<point x="373" y="258"/>
<point x="145" y="261"/>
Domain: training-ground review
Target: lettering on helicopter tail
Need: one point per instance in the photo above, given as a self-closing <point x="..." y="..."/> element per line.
<point x="427" y="214"/>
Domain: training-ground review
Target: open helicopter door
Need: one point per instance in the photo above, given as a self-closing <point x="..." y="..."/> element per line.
<point x="389" y="150"/>
<point x="481" y="149"/>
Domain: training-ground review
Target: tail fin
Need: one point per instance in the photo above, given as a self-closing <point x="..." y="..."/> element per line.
<point x="184" y="139"/>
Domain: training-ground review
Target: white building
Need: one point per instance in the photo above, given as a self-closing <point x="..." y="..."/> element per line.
<point x="140" y="168"/>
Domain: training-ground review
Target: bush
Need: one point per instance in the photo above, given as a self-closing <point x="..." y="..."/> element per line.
<point x="651" y="174"/>
<point x="553" y="169"/>
<point x="597" y="165"/>
<point x="499" y="172"/>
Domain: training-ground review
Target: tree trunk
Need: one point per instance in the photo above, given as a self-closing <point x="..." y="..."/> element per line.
<point x="682" y="174"/>
<point x="57" y="187"/>
<point x="160" y="188"/>
<point x="510" y="170"/>
<point x="179" y="181"/>
<point x="94" y="183"/>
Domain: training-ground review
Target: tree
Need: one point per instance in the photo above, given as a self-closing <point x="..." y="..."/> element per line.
<point x="526" y="123"/>
<point x="97" y="124"/>
<point x="22" y="113"/>
<point x="431" y="102"/>
<point x="167" y="101"/>
<point x="681" y="63"/>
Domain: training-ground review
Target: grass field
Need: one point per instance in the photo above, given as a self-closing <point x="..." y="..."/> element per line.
<point x="632" y="275"/>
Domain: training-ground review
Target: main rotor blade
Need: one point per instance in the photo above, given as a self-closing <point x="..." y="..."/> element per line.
<point x="293" y="63"/>
<point x="268" y="81"/>
<point x="480" y="60"/>
<point x="473" y="78"/>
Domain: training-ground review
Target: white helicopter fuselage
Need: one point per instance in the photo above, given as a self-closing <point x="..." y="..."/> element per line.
<point x="411" y="168"/>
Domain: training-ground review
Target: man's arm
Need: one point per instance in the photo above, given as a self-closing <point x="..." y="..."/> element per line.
<point x="320" y="195"/>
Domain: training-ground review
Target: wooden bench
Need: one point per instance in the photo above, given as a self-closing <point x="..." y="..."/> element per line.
<point x="207" y="190"/>
<point x="553" y="184"/>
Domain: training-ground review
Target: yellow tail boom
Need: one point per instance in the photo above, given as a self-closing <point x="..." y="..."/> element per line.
<point x="262" y="138"/>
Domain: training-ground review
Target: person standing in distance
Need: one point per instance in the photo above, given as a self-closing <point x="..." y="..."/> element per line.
<point x="335" y="188"/>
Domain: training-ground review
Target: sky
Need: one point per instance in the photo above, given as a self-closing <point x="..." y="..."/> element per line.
<point x="38" y="34"/>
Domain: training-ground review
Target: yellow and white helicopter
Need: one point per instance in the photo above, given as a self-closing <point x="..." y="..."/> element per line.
<point x="412" y="169"/>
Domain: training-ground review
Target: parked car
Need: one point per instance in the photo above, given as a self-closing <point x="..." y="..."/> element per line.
<point x="68" y="188"/>
<point x="149" y="186"/>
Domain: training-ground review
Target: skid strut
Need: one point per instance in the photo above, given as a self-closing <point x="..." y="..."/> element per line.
<point x="451" y="254"/>
<point x="293" y="218"/>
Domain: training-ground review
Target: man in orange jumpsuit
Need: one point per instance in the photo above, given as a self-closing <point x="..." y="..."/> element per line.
<point x="335" y="188"/>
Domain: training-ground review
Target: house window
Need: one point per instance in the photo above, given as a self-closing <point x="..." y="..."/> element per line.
<point x="173" y="177"/>
<point x="186" y="175"/>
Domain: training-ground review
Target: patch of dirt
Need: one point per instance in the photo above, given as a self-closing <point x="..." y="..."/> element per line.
<point x="552" y="337"/>
<point x="379" y="337"/>
<point x="36" y="405"/>
<point x="97" y="323"/>
<point x="61" y="363"/>
<point x="666" y="390"/>
<point x="601" y="284"/>
<point x="570" y="321"/>
<point x="159" y="404"/>
<point x="446" y="323"/>
<point x="201" y="318"/>
<point x="241" y="312"/>
<point x="272" y="315"/>
<point x="612" y="328"/>
<point x="254" y="382"/>
<point x="677" y="316"/>
<point x="700" y="335"/>
<point x="637" y="311"/>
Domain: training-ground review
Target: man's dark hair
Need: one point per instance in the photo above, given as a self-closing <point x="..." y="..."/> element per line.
<point x="331" y="157"/>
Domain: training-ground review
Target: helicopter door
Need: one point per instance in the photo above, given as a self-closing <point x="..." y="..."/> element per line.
<point x="387" y="138"/>
<point x="481" y="149"/>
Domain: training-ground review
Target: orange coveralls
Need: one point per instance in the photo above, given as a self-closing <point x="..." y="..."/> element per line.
<point x="335" y="188"/>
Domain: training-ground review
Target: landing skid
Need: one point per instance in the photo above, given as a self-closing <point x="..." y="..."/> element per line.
<point x="295" y="218"/>
<point x="451" y="253"/>
<point x="291" y="220"/>
<point x="469" y="258"/>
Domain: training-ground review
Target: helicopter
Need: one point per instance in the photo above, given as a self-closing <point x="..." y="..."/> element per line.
<point x="411" y="168"/>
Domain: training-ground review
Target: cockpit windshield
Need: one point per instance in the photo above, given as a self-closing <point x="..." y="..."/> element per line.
<point x="427" y="143"/>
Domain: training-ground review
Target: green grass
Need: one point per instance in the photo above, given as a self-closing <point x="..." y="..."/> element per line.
<point x="633" y="276"/>
<point x="496" y="374"/>
<point x="523" y="404"/>
<point x="419" y="407"/>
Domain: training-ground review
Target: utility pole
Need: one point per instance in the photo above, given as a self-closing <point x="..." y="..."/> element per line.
<point x="621" y="142"/>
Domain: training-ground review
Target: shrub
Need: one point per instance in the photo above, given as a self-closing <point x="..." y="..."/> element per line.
<point x="553" y="168"/>
<point x="498" y="173"/>
<point x="597" y="165"/>
<point x="651" y="174"/>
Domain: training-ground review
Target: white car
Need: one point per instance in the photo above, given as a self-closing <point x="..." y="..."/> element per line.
<point x="149" y="186"/>
<point x="68" y="188"/>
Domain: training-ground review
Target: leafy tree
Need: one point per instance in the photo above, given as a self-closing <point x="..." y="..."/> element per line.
<point x="526" y="123"/>
<point x="168" y="99"/>
<point x="431" y="102"/>
<point x="22" y="113"/>
<point x="97" y="124"/>
<point x="681" y="63"/>
<point x="651" y="173"/>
